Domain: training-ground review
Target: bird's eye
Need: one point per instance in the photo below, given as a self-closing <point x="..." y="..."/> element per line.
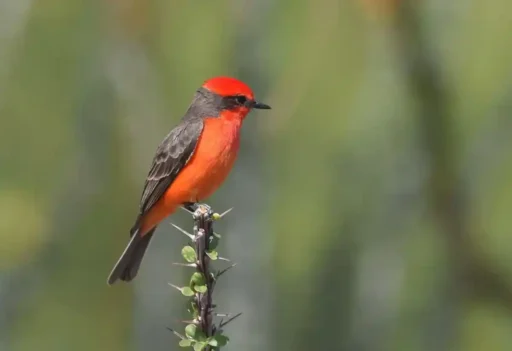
<point x="240" y="99"/>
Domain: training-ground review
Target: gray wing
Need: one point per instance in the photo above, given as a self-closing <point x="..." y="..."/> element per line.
<point x="171" y="156"/>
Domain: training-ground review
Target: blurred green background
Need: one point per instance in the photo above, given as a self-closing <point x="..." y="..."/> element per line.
<point x="372" y="203"/>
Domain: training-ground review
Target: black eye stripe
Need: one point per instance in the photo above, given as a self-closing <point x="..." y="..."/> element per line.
<point x="210" y="104"/>
<point x="229" y="102"/>
<point x="240" y="99"/>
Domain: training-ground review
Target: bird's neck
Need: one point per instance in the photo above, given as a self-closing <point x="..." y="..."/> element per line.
<point x="234" y="118"/>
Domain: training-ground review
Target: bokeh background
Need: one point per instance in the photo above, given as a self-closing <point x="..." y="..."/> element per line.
<point x="372" y="203"/>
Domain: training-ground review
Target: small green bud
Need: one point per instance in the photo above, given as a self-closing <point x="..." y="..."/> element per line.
<point x="185" y="343"/>
<point x="197" y="279"/>
<point x="190" y="330"/>
<point x="189" y="254"/>
<point x="213" y="255"/>
<point x="187" y="291"/>
<point x="201" y="288"/>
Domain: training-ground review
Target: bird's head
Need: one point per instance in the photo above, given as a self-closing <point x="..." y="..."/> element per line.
<point x="224" y="97"/>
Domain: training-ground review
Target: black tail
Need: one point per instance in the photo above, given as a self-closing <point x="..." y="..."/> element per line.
<point x="128" y="264"/>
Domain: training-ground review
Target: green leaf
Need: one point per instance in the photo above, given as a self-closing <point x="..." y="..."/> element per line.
<point x="200" y="288"/>
<point x="212" y="342"/>
<point x="185" y="343"/>
<point x="192" y="308"/>
<point x="189" y="254"/>
<point x="187" y="291"/>
<point x="197" y="279"/>
<point x="199" y="346"/>
<point x="214" y="242"/>
<point x="200" y="336"/>
<point x="213" y="254"/>
<point x="222" y="340"/>
<point x="190" y="330"/>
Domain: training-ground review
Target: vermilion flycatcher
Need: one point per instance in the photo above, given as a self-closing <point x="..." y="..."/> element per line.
<point x="191" y="162"/>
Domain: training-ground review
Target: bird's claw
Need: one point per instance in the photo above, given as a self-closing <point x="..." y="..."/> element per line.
<point x="197" y="210"/>
<point x="191" y="206"/>
<point x="202" y="210"/>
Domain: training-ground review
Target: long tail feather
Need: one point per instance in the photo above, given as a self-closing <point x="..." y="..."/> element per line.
<point x="128" y="264"/>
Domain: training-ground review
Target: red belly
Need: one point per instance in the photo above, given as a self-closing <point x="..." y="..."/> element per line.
<point x="204" y="173"/>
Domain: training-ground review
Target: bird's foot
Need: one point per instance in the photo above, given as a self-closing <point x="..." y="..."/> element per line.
<point x="197" y="209"/>
<point x="202" y="210"/>
<point x="191" y="206"/>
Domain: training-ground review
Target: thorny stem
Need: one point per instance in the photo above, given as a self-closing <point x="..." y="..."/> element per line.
<point x="204" y="241"/>
<point x="203" y="230"/>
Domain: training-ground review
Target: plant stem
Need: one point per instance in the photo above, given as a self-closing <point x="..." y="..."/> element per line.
<point x="203" y="231"/>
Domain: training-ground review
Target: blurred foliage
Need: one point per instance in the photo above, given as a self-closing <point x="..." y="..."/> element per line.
<point x="371" y="203"/>
<point x="21" y="213"/>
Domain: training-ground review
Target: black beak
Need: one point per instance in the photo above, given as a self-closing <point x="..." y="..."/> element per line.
<point x="260" y="106"/>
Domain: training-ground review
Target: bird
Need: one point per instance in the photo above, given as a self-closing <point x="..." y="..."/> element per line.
<point x="190" y="164"/>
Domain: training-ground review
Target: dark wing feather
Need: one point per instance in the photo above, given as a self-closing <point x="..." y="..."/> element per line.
<point x="171" y="156"/>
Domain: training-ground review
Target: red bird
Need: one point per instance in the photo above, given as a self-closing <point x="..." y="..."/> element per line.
<point x="192" y="161"/>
